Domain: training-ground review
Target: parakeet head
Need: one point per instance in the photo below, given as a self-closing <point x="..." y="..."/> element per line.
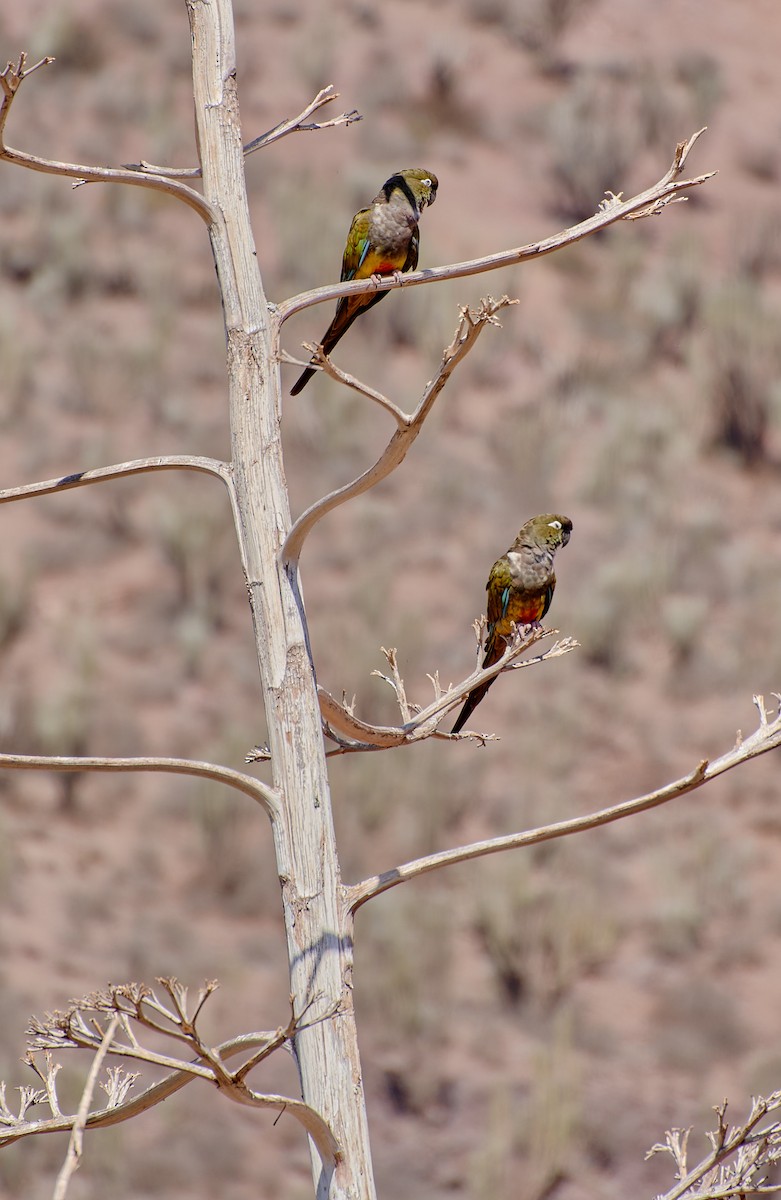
<point x="418" y="185"/>
<point x="549" y="529"/>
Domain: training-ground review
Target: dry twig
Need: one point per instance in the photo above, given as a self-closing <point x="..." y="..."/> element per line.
<point x="11" y="80"/>
<point x="76" y="1140"/>
<point x="470" y="326"/>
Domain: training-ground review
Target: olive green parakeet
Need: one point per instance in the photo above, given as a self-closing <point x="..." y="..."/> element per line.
<point x="383" y="239"/>
<point x="520" y="589"/>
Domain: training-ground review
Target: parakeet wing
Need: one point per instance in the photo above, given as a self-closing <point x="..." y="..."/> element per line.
<point x="411" y="260"/>
<point x="547" y="598"/>
<point x="357" y="245"/>
<point x="498" y="588"/>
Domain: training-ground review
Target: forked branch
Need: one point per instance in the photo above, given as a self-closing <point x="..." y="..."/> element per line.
<point x="299" y="124"/>
<point x="114" y="1022"/>
<point x="353" y="735"/>
<point x="738" y="1159"/>
<point x="645" y="204"/>
<point x="767" y="737"/>
<point x="470" y="326"/>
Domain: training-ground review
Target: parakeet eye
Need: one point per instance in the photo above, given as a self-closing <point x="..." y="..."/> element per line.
<point x="554" y="524"/>
<point x="426" y="182"/>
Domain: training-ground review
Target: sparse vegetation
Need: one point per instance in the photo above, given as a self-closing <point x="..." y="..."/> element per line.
<point x="542" y="930"/>
<point x="590" y="148"/>
<point x="649" y="364"/>
<point x="741" y="368"/>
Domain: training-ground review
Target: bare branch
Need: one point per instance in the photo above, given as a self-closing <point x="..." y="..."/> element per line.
<point x="117" y="1085"/>
<point x="299" y="124"/>
<point x="12" y="76"/>
<point x="340" y="724"/>
<point x="133" y="1002"/>
<point x="321" y="360"/>
<point x="397" y="683"/>
<point x="311" y="1121"/>
<point x="264" y="795"/>
<point x="275" y="1040"/>
<point x="646" y="203"/>
<point x="766" y="737"/>
<point x="49" y="1079"/>
<point x="354" y="734"/>
<point x="170" y="462"/>
<point x="76" y="1142"/>
<point x="716" y="1178"/>
<point x="116" y="1114"/>
<point x="470" y="326"/>
<point x="258" y="754"/>
<point x="10" y="81"/>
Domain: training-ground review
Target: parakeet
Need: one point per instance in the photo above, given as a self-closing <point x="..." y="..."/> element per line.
<point x="383" y="239"/>
<point x="520" y="589"/>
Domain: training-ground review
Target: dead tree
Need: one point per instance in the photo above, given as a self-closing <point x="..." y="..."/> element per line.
<point x="305" y="722"/>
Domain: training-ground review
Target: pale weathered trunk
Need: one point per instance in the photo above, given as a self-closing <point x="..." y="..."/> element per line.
<point x="318" y="928"/>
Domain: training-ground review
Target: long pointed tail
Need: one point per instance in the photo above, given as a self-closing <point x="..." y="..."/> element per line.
<point x="302" y="381"/>
<point x="470" y="704"/>
<point x="345" y="315"/>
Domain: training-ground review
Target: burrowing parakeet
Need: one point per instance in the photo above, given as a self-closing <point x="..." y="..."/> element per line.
<point x="383" y="239"/>
<point x="520" y="589"/>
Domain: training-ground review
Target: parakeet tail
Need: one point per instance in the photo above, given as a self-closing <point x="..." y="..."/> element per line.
<point x="345" y="315"/>
<point x="470" y="704"/>
<point x="302" y="381"/>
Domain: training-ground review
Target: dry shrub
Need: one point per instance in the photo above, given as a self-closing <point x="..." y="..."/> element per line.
<point x="741" y="364"/>
<point x="538" y="25"/>
<point x="594" y="137"/>
<point x="542" y="928"/>
<point x="538" y="1130"/>
<point x="404" y="989"/>
<point x="697" y="1020"/>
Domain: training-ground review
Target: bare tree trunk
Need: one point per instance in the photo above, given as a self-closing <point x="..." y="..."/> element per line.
<point x="317" y="922"/>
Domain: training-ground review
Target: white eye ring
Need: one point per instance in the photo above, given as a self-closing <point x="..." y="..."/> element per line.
<point x="554" y="524"/>
<point x="426" y="183"/>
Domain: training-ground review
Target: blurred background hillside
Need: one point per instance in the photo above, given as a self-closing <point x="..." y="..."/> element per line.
<point x="529" y="1024"/>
